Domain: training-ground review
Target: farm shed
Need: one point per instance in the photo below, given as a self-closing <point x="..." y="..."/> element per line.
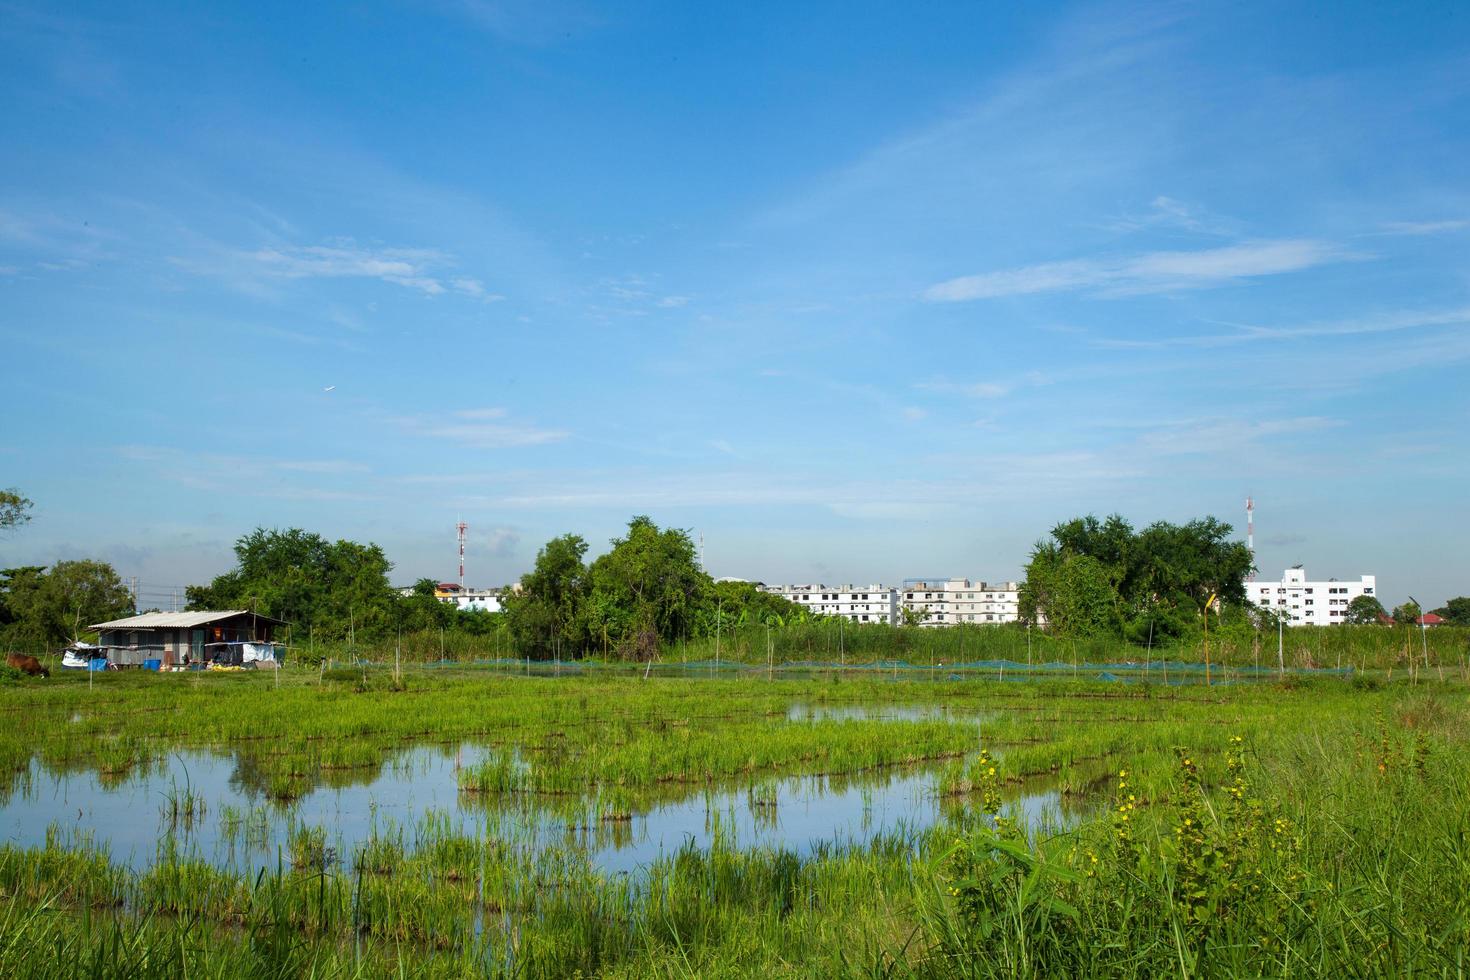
<point x="180" y="638"/>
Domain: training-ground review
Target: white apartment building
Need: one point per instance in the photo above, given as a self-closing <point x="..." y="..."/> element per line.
<point x="858" y="603"/>
<point x="1309" y="603"/>
<point x="487" y="600"/>
<point x="957" y="601"/>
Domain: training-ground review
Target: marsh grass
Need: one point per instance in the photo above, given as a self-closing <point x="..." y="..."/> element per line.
<point x="1316" y="829"/>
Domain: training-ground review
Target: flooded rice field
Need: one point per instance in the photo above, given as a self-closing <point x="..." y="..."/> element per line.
<point x="211" y="806"/>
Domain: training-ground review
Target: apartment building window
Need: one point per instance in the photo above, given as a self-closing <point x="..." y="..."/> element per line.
<point x="1368" y="590"/>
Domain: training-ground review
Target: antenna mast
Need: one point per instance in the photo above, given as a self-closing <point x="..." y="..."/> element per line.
<point x="1250" y="533"/>
<point x="462" y="527"/>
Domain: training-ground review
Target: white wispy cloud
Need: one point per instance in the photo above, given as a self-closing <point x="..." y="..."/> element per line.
<point x="409" y="267"/>
<point x="1424" y="227"/>
<point x="990" y="389"/>
<point x="1245" y="333"/>
<point x="482" y="428"/>
<point x="1146" y="273"/>
<point x="1212" y="436"/>
<point x="1168" y="212"/>
<point x="254" y="476"/>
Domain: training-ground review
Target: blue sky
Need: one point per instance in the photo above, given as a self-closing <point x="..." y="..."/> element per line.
<point x="855" y="291"/>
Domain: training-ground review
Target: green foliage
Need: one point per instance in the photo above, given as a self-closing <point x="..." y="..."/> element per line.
<point x="422" y="611"/>
<point x="42" y="607"/>
<point x="14" y="508"/>
<point x="741" y="604"/>
<point x="1365" y="610"/>
<point x="546" y="614"/>
<point x="1095" y="578"/>
<point x="314" y="584"/>
<point x="646" y="590"/>
<point x="1312" y="832"/>
<point x="1075" y="592"/>
<point x="1406" y="614"/>
<point x="1456" y="612"/>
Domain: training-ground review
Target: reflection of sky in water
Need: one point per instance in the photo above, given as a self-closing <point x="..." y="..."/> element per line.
<point x="128" y="818"/>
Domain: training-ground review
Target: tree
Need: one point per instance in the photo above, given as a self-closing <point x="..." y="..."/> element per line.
<point x="331" y="587"/>
<point x="910" y="616"/>
<point x="1144" y="585"/>
<point x="48" y="607"/>
<point x="19" y="593"/>
<point x="1075" y="593"/>
<point x="14" y="509"/>
<point x="1456" y="612"/>
<point x="648" y="589"/>
<point x="546" y="614"/>
<point x="1406" y="614"/>
<point x="1365" y="610"/>
<point x="423" y="611"/>
<point x="737" y="603"/>
<point x="78" y="593"/>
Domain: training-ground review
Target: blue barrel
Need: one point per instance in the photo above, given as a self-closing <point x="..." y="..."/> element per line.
<point x="151" y="664"/>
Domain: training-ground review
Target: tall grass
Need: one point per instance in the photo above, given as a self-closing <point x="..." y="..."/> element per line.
<point x="1314" y="828"/>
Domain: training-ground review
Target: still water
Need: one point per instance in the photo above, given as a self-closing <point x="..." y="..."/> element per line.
<point x="241" y="831"/>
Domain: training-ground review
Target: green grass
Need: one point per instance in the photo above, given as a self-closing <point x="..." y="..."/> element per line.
<point x="1315" y="828"/>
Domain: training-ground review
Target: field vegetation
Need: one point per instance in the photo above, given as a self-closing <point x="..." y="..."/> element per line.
<point x="1313" y="827"/>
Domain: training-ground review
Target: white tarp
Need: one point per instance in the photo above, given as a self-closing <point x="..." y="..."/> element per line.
<point x="256" y="652"/>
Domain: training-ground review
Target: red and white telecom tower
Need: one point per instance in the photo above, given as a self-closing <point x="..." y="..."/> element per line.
<point x="1250" y="533"/>
<point x="462" y="527"/>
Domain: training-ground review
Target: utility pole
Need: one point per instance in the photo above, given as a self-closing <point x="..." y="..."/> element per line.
<point x="1423" y="632"/>
<point x="1281" y="644"/>
<point x="1208" y="603"/>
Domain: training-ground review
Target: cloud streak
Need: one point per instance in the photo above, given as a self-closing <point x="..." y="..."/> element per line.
<point x="1151" y="272"/>
<point x="1249" y="333"/>
<point x="482" y="428"/>
<point x="407" y="267"/>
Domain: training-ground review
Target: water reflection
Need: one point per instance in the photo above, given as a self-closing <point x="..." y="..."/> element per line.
<point x="233" y="823"/>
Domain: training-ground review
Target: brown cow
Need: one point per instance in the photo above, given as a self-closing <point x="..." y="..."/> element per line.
<point x="30" y="665"/>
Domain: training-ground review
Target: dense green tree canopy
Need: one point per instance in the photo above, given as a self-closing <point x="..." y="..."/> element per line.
<point x="421" y="610"/>
<point x="647" y="589"/>
<point x="1097" y="577"/>
<point x="1456" y="612"/>
<point x="1365" y="610"/>
<point x="1406" y="614"/>
<point x="546" y="613"/>
<point x="44" y="607"/>
<point x="309" y="582"/>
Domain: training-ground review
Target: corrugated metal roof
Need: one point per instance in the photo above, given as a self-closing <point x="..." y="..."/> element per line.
<point x="175" y="620"/>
